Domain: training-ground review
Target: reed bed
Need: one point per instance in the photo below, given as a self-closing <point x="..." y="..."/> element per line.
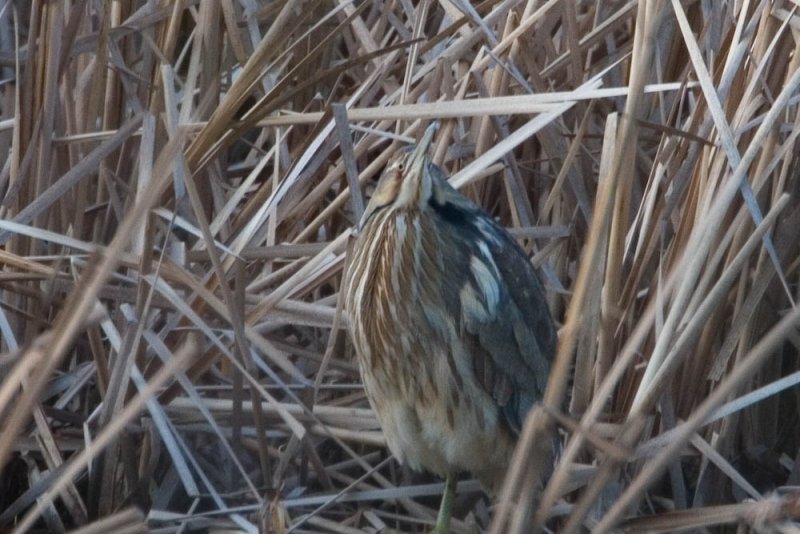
<point x="179" y="183"/>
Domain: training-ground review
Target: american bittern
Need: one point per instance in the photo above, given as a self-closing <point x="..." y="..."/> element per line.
<point x="450" y="326"/>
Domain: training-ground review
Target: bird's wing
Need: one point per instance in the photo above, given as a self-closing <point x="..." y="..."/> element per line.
<point x="507" y="326"/>
<point x="505" y="323"/>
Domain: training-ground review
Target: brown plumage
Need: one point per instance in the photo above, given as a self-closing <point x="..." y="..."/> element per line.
<point x="449" y="322"/>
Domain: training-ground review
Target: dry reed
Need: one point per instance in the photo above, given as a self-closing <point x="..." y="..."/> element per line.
<point x="176" y="196"/>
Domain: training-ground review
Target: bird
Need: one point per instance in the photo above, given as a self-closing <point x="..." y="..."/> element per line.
<point x="449" y="323"/>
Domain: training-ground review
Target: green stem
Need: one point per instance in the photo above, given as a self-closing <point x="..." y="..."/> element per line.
<point x="446" y="508"/>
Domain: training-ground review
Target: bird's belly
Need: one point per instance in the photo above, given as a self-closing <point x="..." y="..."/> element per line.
<point x="442" y="431"/>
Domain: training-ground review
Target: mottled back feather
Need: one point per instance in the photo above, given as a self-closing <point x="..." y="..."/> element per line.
<point x="512" y="336"/>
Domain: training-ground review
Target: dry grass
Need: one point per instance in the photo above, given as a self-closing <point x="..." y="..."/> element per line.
<point x="175" y="211"/>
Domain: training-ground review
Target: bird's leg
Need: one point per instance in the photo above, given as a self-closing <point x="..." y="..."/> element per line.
<point x="446" y="508"/>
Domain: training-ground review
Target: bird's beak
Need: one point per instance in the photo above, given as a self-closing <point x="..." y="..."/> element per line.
<point x="417" y="160"/>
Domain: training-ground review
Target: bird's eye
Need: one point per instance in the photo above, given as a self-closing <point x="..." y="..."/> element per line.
<point x="401" y="166"/>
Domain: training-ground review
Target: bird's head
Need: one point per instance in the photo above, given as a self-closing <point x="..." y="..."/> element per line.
<point x="406" y="183"/>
